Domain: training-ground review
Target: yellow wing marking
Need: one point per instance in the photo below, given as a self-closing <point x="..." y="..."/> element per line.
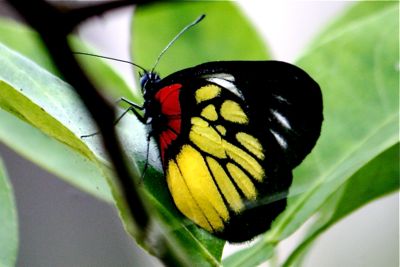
<point x="243" y="181"/>
<point x="206" y="93"/>
<point x="202" y="187"/>
<point x="206" y="187"/>
<point x="231" y="111"/>
<point x="225" y="185"/>
<point x="209" y="113"/>
<point x="245" y="160"/>
<point x="183" y="198"/>
<point x="210" y="141"/>
<point x="221" y="129"/>
<point x="251" y="144"/>
<point x="199" y="122"/>
<point x="206" y="138"/>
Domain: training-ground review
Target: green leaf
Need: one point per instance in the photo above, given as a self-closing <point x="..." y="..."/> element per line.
<point x="217" y="37"/>
<point x="259" y="253"/>
<point x="184" y="240"/>
<point x="353" y="195"/>
<point x="9" y="221"/>
<point x="32" y="97"/>
<point x="28" y="43"/>
<point x="37" y="99"/>
<point x="359" y="80"/>
<point x="53" y="156"/>
<point x="356" y="13"/>
<point x="25" y="41"/>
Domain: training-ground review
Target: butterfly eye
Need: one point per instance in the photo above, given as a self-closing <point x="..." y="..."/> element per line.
<point x="144" y="78"/>
<point x="147" y="79"/>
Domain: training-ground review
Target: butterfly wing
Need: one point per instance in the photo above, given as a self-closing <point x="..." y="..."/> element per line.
<point x="242" y="130"/>
<point x="288" y="99"/>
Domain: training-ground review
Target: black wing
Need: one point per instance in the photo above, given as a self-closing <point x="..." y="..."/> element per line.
<point x="286" y="99"/>
<point x="284" y="107"/>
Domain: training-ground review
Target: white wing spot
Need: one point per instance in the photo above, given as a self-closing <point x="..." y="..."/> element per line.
<point x="226" y="81"/>
<point x="281" y="99"/>
<point x="282" y="120"/>
<point x="223" y="76"/>
<point x="280" y="139"/>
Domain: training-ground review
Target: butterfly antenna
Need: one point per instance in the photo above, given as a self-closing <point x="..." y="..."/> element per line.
<point x="110" y="58"/>
<point x="176" y="37"/>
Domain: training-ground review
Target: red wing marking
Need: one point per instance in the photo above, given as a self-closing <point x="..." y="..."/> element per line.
<point x="175" y="125"/>
<point x="166" y="137"/>
<point x="168" y="97"/>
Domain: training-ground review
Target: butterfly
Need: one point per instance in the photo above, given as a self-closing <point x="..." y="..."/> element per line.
<point x="229" y="135"/>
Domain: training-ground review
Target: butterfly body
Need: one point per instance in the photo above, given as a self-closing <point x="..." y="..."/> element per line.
<point x="229" y="135"/>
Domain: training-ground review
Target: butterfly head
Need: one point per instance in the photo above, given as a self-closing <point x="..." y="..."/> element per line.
<point x="148" y="79"/>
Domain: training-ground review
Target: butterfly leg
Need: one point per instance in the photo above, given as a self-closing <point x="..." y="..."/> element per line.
<point x="146" y="165"/>
<point x="133" y="107"/>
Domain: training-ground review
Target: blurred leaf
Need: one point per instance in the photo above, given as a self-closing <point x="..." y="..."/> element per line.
<point x="9" y="221"/>
<point x="355" y="14"/>
<point x="359" y="80"/>
<point x="42" y="100"/>
<point x="353" y="195"/>
<point x="34" y="96"/>
<point x="259" y="253"/>
<point x="53" y="156"/>
<point x="28" y="43"/>
<point x="218" y="37"/>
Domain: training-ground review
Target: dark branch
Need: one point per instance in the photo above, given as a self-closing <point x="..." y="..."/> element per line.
<point x="53" y="25"/>
<point x="77" y="15"/>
